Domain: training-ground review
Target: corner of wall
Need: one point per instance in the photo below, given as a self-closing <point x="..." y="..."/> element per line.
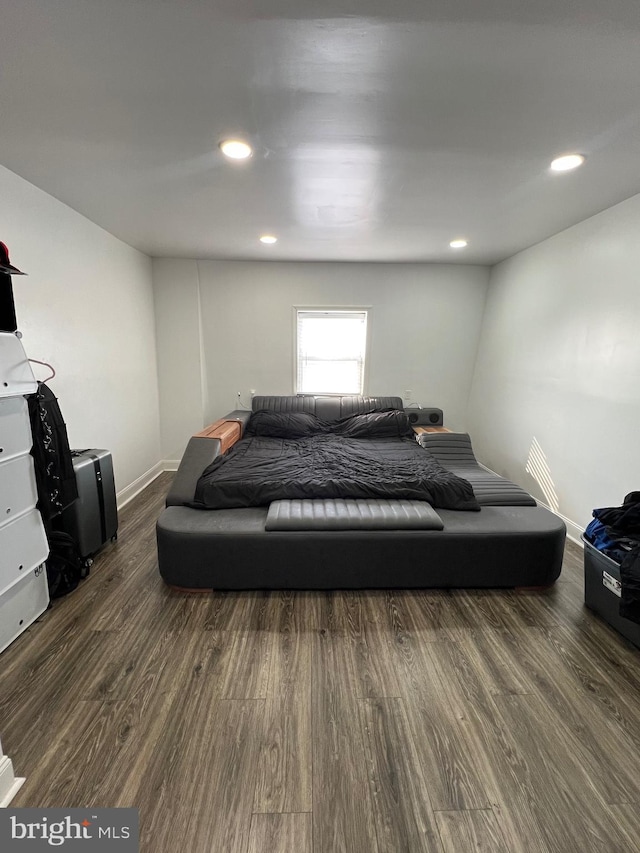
<point x="468" y="415"/>
<point x="179" y="352"/>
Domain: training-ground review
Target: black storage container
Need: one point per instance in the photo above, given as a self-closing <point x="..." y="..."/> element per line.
<point x="602" y="591"/>
<point x="92" y="520"/>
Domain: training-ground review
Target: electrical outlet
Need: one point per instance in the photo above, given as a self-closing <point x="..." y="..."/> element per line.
<point x="253" y="392"/>
<point x="408" y="395"/>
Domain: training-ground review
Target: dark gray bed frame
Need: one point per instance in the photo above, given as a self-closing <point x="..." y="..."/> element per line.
<point x="511" y="542"/>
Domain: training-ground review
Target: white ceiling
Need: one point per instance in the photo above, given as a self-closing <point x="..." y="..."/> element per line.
<point x="382" y="128"/>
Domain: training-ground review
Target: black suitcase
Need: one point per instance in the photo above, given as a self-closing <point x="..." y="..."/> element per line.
<point x="92" y="520"/>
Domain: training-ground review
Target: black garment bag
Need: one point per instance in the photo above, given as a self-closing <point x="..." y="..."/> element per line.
<point x="55" y="477"/>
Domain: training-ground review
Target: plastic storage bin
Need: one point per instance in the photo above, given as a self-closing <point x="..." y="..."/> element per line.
<point x="602" y="591"/>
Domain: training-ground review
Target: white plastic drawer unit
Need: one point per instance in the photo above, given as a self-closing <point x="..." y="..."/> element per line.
<point x="16" y="376"/>
<point x="21" y="605"/>
<point x="18" y="492"/>
<point x="23" y="546"/>
<point x="15" y="428"/>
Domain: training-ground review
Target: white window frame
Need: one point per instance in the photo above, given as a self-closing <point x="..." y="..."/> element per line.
<point x="331" y="309"/>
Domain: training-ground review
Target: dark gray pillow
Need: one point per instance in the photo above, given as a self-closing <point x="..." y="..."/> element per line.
<point x="390" y="423"/>
<point x="284" y="424"/>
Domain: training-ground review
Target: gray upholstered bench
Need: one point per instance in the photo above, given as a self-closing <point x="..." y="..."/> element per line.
<point x="352" y="514"/>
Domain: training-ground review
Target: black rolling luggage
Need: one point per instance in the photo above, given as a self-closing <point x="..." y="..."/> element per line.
<point x="92" y="520"/>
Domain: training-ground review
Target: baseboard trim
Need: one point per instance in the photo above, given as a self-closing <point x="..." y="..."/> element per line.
<point x="129" y="492"/>
<point x="574" y="531"/>
<point x="170" y="464"/>
<point x="9" y="784"/>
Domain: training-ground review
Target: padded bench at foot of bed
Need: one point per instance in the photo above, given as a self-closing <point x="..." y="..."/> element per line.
<point x="351" y="514"/>
<point x="231" y="549"/>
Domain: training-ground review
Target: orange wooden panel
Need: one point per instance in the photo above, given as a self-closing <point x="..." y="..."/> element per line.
<point x="419" y="430"/>
<point x="227" y="431"/>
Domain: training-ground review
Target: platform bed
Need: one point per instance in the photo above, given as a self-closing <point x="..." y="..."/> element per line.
<point x="369" y="542"/>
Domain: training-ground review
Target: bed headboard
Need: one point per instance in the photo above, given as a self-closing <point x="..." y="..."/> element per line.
<point x="327" y="408"/>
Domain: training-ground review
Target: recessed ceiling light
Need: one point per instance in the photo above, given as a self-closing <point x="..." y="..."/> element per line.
<point x="268" y="238"/>
<point x="236" y="149"/>
<point x="458" y="244"/>
<point x="567" y="162"/>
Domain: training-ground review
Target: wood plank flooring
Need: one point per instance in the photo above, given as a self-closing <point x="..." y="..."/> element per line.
<point x="329" y="722"/>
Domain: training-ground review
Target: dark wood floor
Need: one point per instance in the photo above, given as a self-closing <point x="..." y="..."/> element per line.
<point x="363" y="722"/>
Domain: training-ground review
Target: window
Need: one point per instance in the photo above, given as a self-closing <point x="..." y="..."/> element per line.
<point x="331" y="348"/>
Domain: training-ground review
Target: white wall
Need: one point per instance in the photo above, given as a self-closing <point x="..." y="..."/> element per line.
<point x="558" y="370"/>
<point x="180" y="365"/>
<point x="425" y="326"/>
<point x="86" y="307"/>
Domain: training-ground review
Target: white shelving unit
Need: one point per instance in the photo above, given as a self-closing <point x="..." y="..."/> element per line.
<point x="23" y="544"/>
